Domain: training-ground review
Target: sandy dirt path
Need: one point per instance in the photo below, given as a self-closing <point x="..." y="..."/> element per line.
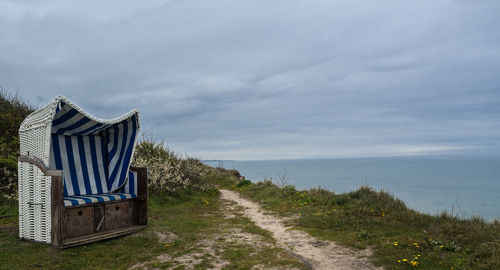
<point x="313" y="253"/>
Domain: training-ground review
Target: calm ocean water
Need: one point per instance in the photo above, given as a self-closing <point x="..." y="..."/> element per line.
<point x="467" y="187"/>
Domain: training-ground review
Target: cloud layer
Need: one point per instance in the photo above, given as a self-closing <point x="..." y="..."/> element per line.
<point x="270" y="79"/>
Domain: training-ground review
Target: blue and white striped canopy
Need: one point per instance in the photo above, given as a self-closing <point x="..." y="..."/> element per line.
<point x="94" y="154"/>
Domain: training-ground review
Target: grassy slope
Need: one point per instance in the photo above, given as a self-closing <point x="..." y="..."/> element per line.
<point x="196" y="220"/>
<point x="360" y="219"/>
<point x="398" y="235"/>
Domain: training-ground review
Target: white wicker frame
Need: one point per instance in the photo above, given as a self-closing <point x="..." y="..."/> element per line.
<point x="34" y="187"/>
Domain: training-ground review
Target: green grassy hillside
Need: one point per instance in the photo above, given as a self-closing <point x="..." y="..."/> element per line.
<point x="400" y="237"/>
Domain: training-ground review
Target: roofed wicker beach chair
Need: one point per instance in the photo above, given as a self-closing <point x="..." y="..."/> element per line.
<point x="76" y="185"/>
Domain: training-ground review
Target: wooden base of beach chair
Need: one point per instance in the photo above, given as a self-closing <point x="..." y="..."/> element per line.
<point x="95" y="222"/>
<point x="77" y="225"/>
<point x="94" y="237"/>
<point x="87" y="223"/>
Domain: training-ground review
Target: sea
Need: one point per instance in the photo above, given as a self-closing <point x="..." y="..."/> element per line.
<point x="463" y="187"/>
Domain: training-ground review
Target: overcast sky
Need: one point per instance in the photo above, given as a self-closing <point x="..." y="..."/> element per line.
<point x="270" y="79"/>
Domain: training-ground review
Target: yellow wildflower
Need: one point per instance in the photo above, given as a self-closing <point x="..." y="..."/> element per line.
<point x="396" y="244"/>
<point x="169" y="245"/>
<point x="405" y="260"/>
<point x="414" y="263"/>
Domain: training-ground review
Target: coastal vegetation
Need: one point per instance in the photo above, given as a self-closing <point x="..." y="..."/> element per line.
<point x="188" y="230"/>
<point x="401" y="238"/>
<point x="169" y="172"/>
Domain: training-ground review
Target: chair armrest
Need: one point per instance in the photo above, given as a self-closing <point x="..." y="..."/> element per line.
<point x="57" y="198"/>
<point x="39" y="163"/>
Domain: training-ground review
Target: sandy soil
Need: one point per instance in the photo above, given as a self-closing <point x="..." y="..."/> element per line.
<point x="186" y="261"/>
<point x="313" y="253"/>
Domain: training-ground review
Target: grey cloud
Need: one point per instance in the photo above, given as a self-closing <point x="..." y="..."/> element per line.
<point x="270" y="79"/>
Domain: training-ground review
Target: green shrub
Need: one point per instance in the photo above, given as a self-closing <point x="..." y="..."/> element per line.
<point x="244" y="183"/>
<point x="13" y="110"/>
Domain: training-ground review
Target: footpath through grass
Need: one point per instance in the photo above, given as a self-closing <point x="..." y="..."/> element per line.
<point x="189" y="231"/>
<point x="400" y="237"/>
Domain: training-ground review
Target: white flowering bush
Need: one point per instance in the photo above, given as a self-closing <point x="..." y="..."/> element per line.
<point x="167" y="171"/>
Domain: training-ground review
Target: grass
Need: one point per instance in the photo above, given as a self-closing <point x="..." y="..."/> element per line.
<point x="8" y="208"/>
<point x="196" y="231"/>
<point x="401" y="238"/>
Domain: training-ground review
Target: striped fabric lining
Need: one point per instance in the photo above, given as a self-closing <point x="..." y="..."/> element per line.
<point x="82" y="160"/>
<point x="131" y="185"/>
<point x="94" y="157"/>
<point x="121" y="142"/>
<point x="68" y="121"/>
<point x="89" y="199"/>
